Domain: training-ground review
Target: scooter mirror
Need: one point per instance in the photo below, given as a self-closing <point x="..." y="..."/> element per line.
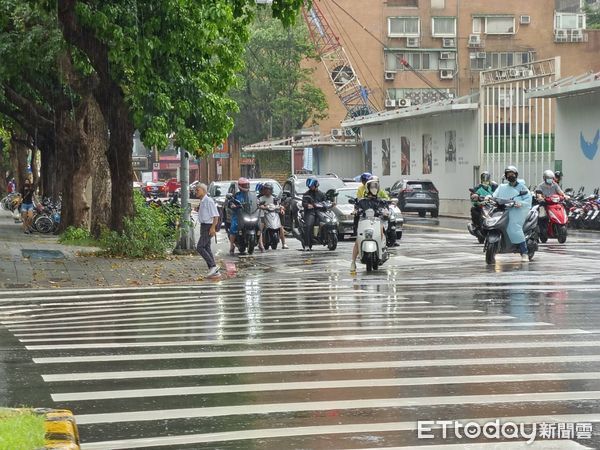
<point x="352" y="201"/>
<point x="523" y="192"/>
<point x="471" y="190"/>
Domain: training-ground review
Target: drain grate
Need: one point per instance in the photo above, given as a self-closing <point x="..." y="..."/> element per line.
<point x="42" y="254"/>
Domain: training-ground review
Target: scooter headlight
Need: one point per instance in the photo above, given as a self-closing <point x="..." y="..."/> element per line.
<point x="369" y="234"/>
<point x="251" y="219"/>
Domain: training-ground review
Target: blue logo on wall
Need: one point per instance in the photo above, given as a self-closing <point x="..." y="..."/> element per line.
<point x="589" y="149"/>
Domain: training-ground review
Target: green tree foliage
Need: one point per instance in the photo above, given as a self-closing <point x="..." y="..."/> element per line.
<point x="275" y="92"/>
<point x="592" y="18"/>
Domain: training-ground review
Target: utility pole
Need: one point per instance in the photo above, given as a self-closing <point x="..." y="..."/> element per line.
<point x="186" y="241"/>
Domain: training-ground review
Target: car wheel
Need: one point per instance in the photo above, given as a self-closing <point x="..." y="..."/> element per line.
<point x="435" y="213"/>
<point x="422" y="213"/>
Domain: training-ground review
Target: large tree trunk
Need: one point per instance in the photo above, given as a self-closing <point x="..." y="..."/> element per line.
<point x="111" y="99"/>
<point x="50" y="184"/>
<point x="101" y="184"/>
<point x="20" y="152"/>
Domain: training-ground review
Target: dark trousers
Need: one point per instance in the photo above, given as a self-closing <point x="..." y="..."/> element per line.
<point x="203" y="246"/>
<point x="310" y="217"/>
<point x="476" y="215"/>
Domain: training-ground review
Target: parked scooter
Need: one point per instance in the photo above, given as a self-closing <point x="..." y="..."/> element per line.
<point x="476" y="229"/>
<point x="272" y="225"/>
<point x="555" y="227"/>
<point x="370" y="236"/>
<point x="247" y="235"/>
<point x="495" y="226"/>
<point x="325" y="228"/>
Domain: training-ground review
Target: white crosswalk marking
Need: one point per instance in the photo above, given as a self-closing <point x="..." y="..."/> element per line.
<point x="339" y="360"/>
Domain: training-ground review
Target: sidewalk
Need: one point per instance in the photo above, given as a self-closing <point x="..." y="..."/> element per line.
<point x="32" y="261"/>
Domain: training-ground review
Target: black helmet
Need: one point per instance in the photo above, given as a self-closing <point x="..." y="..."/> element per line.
<point x="268" y="186"/>
<point x="558" y="174"/>
<point x="485" y="176"/>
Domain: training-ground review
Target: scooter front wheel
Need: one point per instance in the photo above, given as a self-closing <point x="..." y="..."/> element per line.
<point x="562" y="234"/>
<point x="490" y="254"/>
<point x="332" y="241"/>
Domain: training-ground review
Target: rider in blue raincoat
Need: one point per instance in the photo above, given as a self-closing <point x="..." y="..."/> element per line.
<point x="518" y="214"/>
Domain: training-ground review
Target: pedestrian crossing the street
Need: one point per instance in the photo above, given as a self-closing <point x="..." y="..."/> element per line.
<point x="312" y="362"/>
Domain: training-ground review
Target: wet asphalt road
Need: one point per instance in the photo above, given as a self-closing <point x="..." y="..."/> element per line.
<point x="300" y="353"/>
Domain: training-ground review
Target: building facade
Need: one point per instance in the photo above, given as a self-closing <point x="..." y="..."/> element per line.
<point x="409" y="52"/>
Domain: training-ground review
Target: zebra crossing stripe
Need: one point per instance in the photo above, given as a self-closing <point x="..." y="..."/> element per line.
<point x="313" y="385"/>
<point x="204" y="371"/>
<point x="266" y="324"/>
<point x="337" y="338"/>
<point x="357" y="428"/>
<point x="271" y="408"/>
<point x="219" y="330"/>
<point x="529" y="345"/>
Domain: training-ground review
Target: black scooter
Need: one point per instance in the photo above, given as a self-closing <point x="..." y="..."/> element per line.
<point x="325" y="228"/>
<point x="247" y="234"/>
<point x="495" y="226"/>
<point x="476" y="229"/>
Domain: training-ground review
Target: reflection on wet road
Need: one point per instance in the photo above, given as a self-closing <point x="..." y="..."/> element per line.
<point x="299" y="353"/>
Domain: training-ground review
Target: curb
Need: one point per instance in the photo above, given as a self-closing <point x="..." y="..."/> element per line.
<point x="61" y="429"/>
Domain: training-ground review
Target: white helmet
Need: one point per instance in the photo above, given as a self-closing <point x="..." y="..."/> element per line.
<point x="548" y="174"/>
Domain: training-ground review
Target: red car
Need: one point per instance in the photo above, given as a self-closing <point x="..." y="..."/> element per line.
<point x="172" y="185"/>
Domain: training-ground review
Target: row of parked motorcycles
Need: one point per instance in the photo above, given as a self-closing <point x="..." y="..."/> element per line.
<point x="583" y="209"/>
<point x="372" y="244"/>
<point x="46" y="215"/>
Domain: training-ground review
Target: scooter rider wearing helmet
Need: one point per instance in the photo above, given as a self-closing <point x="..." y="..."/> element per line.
<point x="361" y="192"/>
<point x="547" y="188"/>
<point x="558" y="175"/>
<point x="517" y="215"/>
<point x="243" y="197"/>
<point x="265" y="197"/>
<point x="486" y="187"/>
<point x="310" y="215"/>
<point x="371" y="200"/>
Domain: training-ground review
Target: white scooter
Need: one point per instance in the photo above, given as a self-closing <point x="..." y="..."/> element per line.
<point x="370" y="237"/>
<point x="272" y="225"/>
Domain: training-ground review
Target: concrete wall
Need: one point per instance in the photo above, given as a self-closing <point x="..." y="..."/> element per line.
<point x="452" y="178"/>
<point x="344" y="161"/>
<point x="575" y="116"/>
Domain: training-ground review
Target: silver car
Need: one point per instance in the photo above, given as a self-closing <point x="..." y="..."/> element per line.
<point x="344" y="212"/>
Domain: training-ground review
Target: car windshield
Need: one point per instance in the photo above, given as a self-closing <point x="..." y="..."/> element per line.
<point x="344" y="195"/>
<point x="325" y="184"/>
<point x="218" y="189"/>
<point x="276" y="186"/>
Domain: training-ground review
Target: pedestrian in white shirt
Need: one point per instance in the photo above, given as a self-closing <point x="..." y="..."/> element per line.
<point x="208" y="218"/>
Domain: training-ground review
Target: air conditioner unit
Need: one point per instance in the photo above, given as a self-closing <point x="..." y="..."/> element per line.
<point x="525" y="20"/>
<point x="481" y="55"/>
<point x="448" y="42"/>
<point x="348" y="132"/>
<point x="404" y="103"/>
<point x="474" y="40"/>
<point x="513" y="73"/>
<point x="336" y="132"/>
<point x="446" y="74"/>
<point x="412" y="42"/>
<point x="447" y="55"/>
<point x="560" y="36"/>
<point x="389" y="76"/>
<point x="576" y="35"/>
<point x="390" y="103"/>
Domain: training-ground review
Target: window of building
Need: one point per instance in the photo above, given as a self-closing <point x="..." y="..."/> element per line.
<point x="499" y="25"/>
<point x="496" y="60"/>
<point x="403" y="3"/>
<point x="567" y="21"/>
<point x="417" y="60"/>
<point x="403" y="27"/>
<point x="438" y="4"/>
<point x="443" y="26"/>
<point x="494" y="25"/>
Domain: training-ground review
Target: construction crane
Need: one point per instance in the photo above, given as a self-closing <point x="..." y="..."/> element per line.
<point x="353" y="95"/>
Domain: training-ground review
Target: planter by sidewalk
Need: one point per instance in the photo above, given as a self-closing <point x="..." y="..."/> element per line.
<point x="57" y="431"/>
